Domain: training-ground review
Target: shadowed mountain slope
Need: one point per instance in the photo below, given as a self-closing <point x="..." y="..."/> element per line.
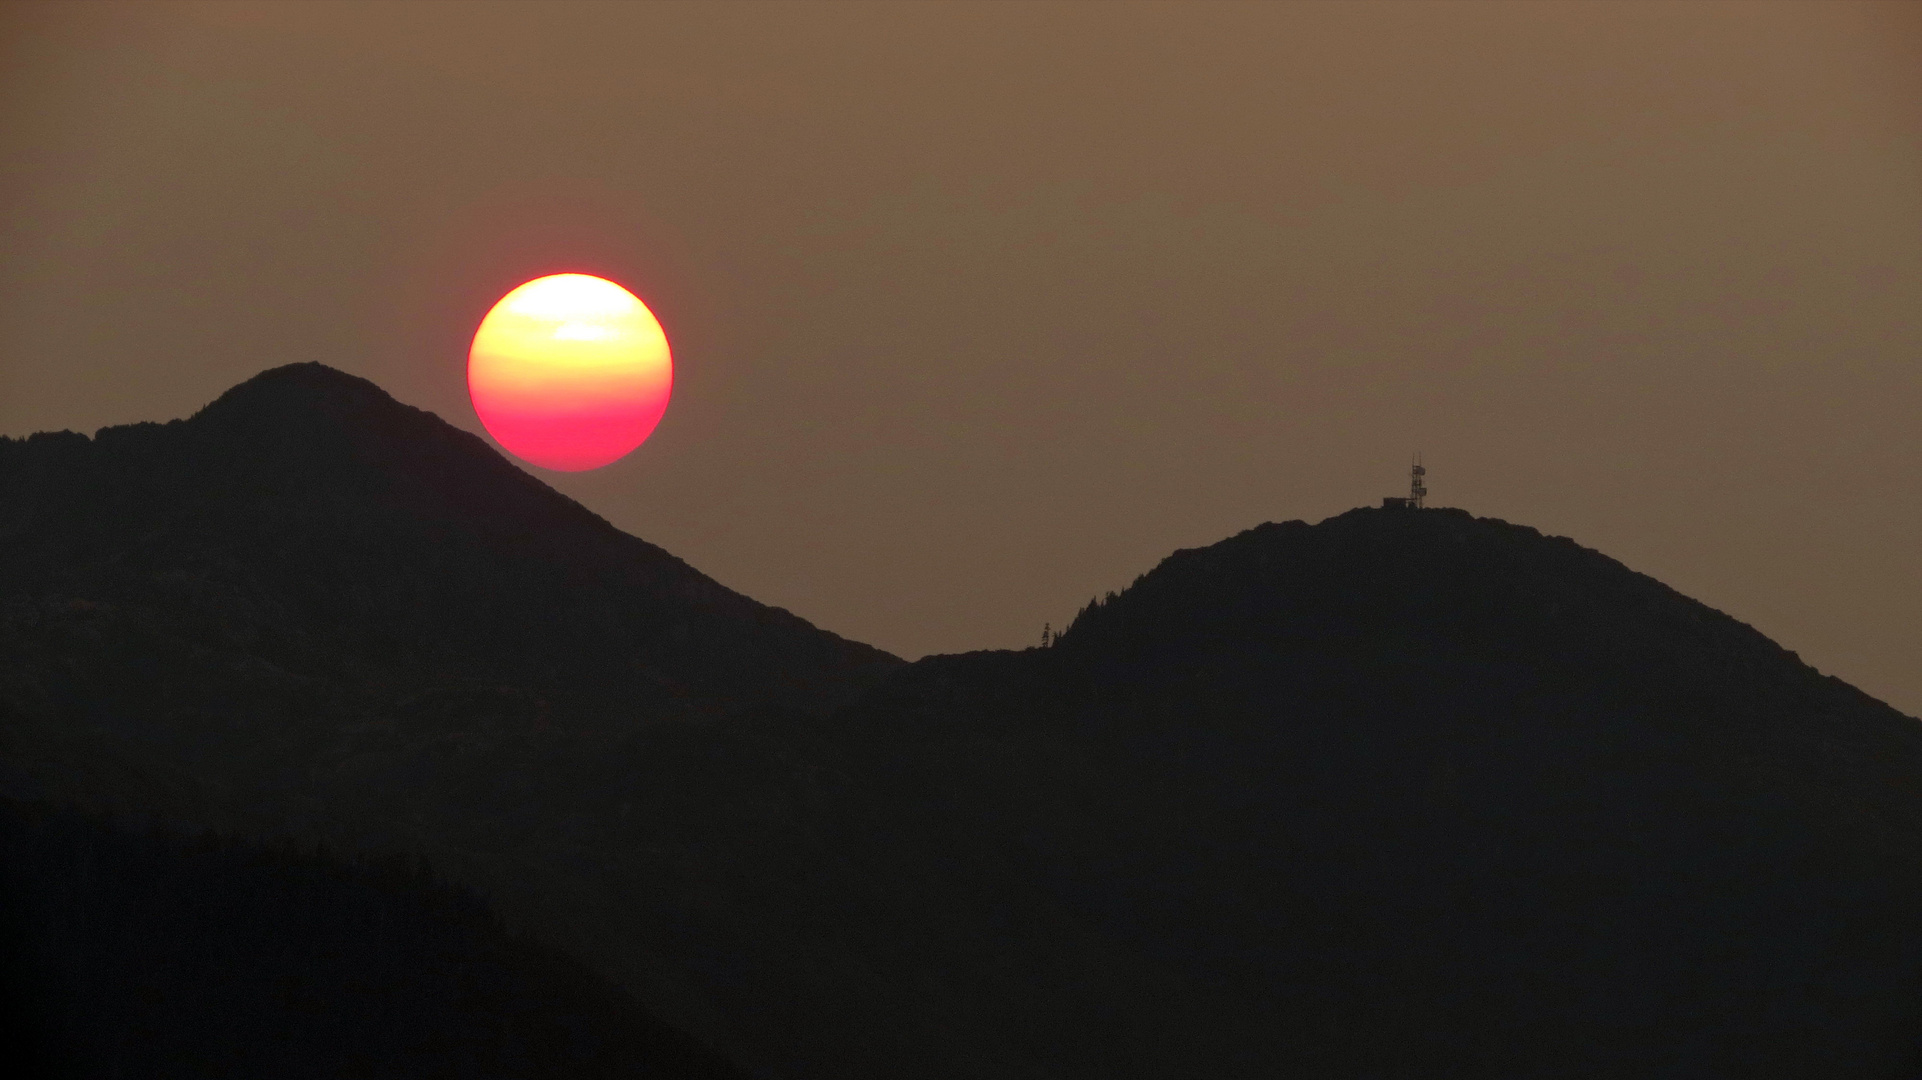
<point x="310" y="611"/>
<point x="326" y="527"/>
<point x="1412" y="794"/>
<point x="1403" y="793"/>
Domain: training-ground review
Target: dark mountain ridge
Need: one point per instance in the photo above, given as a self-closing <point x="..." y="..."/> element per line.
<point x="1402" y="793"/>
<point x="1443" y="795"/>
<point x="310" y="611"/>
<point x="310" y="517"/>
<point x="1373" y="572"/>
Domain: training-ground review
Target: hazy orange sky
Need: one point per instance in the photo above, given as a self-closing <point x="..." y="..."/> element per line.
<point x="981" y="309"/>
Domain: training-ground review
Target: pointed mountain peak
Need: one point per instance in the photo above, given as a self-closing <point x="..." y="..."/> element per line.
<point x="326" y="426"/>
<point x="367" y="531"/>
<point x="308" y="383"/>
<point x="300" y="408"/>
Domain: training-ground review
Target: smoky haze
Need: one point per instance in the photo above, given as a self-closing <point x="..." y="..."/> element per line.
<point x="979" y="310"/>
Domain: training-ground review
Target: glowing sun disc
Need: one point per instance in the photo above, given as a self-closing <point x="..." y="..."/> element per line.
<point x="570" y="372"/>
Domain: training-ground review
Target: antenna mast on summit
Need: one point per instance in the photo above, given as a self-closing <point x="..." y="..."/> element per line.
<point x="1417" y="490"/>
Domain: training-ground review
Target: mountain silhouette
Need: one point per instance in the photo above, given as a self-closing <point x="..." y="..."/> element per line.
<point x="311" y="517"/>
<point x="1403" y="793"/>
<point x="1410" y="793"/>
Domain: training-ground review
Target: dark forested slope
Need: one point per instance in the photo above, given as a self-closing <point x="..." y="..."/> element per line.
<point x="312" y="520"/>
<point x="1409" y="793"/>
<point x="310" y="611"/>
<point x="1403" y="793"/>
<point x="147" y="954"/>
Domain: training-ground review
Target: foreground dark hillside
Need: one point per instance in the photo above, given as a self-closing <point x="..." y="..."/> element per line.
<point x="1413" y="794"/>
<point x="310" y="611"/>
<point x="153" y="955"/>
<point x="1403" y="793"/>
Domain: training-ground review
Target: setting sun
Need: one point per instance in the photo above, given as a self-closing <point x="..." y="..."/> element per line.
<point x="570" y="372"/>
